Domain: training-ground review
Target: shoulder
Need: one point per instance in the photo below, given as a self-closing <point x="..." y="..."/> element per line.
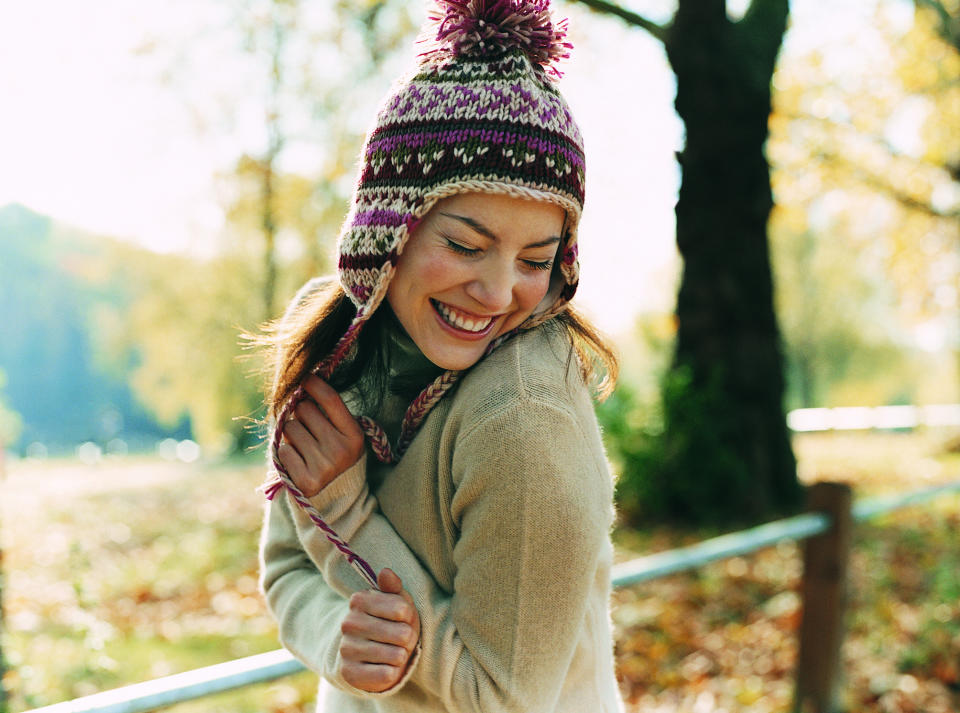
<point x="536" y="371"/>
<point x="524" y="427"/>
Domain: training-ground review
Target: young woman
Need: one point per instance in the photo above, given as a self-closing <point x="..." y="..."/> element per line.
<point x="433" y="408"/>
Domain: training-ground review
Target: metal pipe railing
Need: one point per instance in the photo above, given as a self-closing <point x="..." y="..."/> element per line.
<point x="187" y="686"/>
<point x="270" y="666"/>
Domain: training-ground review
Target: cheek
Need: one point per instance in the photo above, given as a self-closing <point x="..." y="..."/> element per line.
<point x="421" y="274"/>
<point x="435" y="273"/>
<point x="533" y="289"/>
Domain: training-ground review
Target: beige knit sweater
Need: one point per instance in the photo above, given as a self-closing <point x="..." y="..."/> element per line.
<point x="497" y="520"/>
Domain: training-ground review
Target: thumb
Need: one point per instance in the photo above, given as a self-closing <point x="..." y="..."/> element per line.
<point x="389" y="582"/>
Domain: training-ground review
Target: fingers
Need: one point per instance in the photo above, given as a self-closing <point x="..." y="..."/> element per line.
<point x="374" y="678"/>
<point x="375" y="652"/>
<point x="307" y="464"/>
<point x="389" y="582"/>
<point x="325" y="439"/>
<point x="386" y="606"/>
<point x="360" y="650"/>
<point x="331" y="403"/>
<point x="380" y="634"/>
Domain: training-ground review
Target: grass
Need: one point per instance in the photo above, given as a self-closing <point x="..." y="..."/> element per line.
<point x="138" y="568"/>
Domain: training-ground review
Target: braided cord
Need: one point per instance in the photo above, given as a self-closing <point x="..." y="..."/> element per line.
<point x="283" y="480"/>
<point x="421" y="406"/>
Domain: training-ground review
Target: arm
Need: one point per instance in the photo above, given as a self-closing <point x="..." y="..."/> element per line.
<point x="312" y="616"/>
<point x="533" y="518"/>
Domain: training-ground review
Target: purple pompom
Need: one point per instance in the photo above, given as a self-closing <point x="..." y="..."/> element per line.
<point x="458" y="28"/>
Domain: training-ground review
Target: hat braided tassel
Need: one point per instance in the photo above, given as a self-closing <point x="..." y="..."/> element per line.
<point x="283" y="480"/>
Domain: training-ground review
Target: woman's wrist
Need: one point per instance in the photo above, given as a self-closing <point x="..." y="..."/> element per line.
<point x="346" y="484"/>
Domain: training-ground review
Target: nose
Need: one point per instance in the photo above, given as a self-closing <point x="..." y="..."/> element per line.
<point x="493" y="286"/>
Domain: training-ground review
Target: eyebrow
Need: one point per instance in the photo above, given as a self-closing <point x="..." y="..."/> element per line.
<point x="486" y="232"/>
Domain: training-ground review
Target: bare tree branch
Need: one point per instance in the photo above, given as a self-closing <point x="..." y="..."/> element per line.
<point x="630" y="17"/>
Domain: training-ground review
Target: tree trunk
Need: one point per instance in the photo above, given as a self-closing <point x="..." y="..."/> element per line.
<point x="727" y="451"/>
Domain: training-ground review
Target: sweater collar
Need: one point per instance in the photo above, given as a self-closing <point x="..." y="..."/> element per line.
<point x="407" y="367"/>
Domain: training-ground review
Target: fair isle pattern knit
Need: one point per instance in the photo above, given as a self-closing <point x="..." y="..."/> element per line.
<point x="480" y="114"/>
<point x="493" y="124"/>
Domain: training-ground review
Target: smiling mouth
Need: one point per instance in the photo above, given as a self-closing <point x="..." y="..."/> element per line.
<point x="460" y="321"/>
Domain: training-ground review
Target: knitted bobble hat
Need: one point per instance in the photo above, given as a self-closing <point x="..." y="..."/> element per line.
<point x="480" y="113"/>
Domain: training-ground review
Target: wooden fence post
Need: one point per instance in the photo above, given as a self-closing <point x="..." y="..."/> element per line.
<point x="824" y="591"/>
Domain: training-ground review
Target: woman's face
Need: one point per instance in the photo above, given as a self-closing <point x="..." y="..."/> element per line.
<point x="473" y="269"/>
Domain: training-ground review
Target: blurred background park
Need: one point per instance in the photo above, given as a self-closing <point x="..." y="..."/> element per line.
<point x="172" y="172"/>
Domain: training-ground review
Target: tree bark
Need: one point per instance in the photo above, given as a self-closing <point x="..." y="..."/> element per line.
<point x="727" y="452"/>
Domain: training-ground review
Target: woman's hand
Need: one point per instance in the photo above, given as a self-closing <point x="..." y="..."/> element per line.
<point x="321" y="440"/>
<point x="380" y="633"/>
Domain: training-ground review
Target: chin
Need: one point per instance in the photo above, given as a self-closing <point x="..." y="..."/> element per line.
<point x="454" y="362"/>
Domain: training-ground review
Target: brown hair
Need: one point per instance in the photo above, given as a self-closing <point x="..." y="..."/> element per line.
<point x="298" y="341"/>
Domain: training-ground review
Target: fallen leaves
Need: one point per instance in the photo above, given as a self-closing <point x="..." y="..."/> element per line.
<point x="723" y="638"/>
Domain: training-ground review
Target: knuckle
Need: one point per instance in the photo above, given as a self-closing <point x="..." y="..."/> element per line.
<point x="349" y="626"/>
<point x="386" y="676"/>
<point x="398" y="656"/>
<point x="304" y="480"/>
<point x="412" y="638"/>
<point x="348" y="671"/>
<point x="356" y="445"/>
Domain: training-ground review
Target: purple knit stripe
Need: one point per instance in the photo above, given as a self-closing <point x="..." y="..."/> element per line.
<point x="412" y="137"/>
<point x="361" y="292"/>
<point x="370" y="261"/>
<point x="390" y="218"/>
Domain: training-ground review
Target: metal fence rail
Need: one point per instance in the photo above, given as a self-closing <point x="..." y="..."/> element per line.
<point x="273" y="665"/>
<point x="861" y="418"/>
<point x="182" y="687"/>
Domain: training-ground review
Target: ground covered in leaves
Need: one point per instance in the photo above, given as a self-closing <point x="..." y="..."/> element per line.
<point x="723" y="638"/>
<point x="137" y="568"/>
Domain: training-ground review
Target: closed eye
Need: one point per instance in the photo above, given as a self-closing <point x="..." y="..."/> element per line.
<point x="458" y="248"/>
<point x="539" y="265"/>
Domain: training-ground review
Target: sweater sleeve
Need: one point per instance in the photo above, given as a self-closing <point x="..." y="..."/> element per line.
<point x="308" y="610"/>
<point x="532" y="523"/>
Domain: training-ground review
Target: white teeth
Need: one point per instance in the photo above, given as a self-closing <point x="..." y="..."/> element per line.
<point x="461" y="322"/>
